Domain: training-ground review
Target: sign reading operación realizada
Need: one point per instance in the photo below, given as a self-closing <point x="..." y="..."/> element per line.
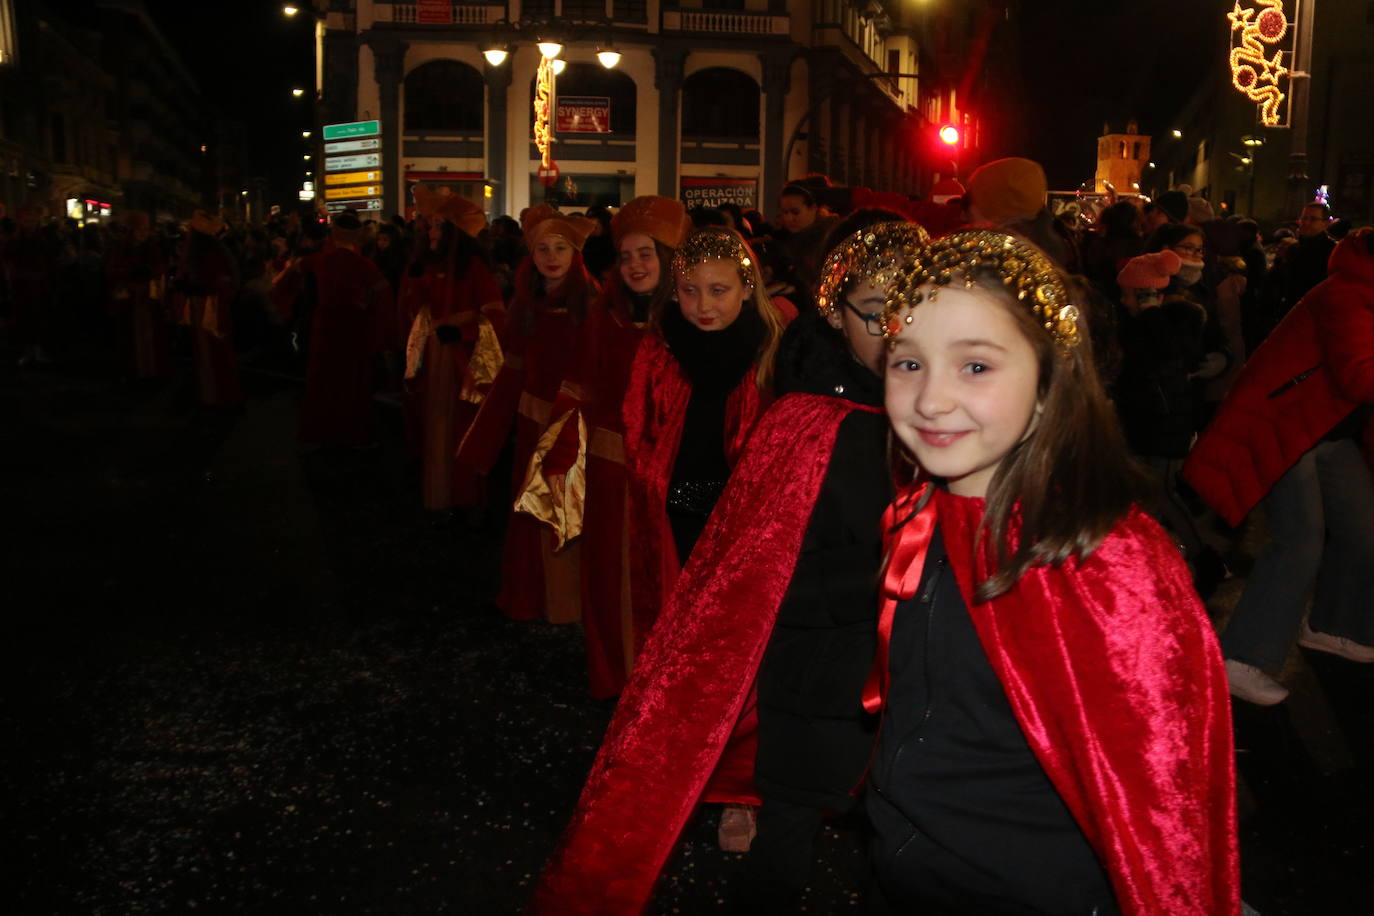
<point x="353" y="166"/>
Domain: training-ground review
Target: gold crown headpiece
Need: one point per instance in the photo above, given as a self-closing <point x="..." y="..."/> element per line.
<point x="1024" y="270"/>
<point x="711" y="244"/>
<point x="874" y="254"/>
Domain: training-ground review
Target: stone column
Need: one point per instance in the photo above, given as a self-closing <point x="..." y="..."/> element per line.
<point x="498" y="81"/>
<point x="777" y="79"/>
<point x="668" y="66"/>
<point x="821" y="88"/>
<point x="839" y="136"/>
<point x="389" y="56"/>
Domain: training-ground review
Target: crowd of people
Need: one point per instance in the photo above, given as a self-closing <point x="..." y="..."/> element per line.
<point x="955" y="469"/>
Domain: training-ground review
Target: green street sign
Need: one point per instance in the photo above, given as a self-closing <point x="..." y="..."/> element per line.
<point x="352" y="129"/>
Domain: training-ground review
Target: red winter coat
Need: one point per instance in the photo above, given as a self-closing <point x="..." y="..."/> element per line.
<point x="1312" y="371"/>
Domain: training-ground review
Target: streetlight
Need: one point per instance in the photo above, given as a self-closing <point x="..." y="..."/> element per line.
<point x="496" y="56"/>
<point x="550" y="49"/>
<point x="1178" y="134"/>
<point x="298" y="92"/>
<point x="1251" y="140"/>
<point x="609" y="57"/>
<point x="306" y="157"/>
<point x="288" y="11"/>
<point x="305" y="135"/>
<point x="559" y="65"/>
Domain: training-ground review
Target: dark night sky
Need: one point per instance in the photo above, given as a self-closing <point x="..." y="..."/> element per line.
<point x="1084" y="61"/>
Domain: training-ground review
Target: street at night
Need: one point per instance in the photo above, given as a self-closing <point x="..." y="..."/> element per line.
<point x="607" y="457"/>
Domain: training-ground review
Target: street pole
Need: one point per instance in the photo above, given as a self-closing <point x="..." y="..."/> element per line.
<point x="1300" y="86"/>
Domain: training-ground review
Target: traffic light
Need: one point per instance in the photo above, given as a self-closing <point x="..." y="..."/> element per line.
<point x="949" y="135"/>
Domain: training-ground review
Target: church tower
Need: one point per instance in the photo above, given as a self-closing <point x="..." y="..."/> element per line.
<point x="1120" y="158"/>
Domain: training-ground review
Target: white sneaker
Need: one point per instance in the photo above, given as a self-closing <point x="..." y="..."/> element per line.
<point x="1346" y="648"/>
<point x="1253" y="685"/>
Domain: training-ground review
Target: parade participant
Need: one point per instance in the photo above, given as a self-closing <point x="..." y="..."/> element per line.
<point x="1287" y="435"/>
<point x="793" y="546"/>
<point x="137" y="280"/>
<point x="352" y="304"/>
<point x="586" y="440"/>
<point x="451" y="315"/>
<point x="804" y="227"/>
<point x="1056" y="733"/>
<point x="206" y="283"/>
<point x="701" y="379"/>
<point x="544" y="333"/>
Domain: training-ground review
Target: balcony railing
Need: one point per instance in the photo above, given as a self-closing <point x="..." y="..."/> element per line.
<point x="460" y="13"/>
<point x="732" y="22"/>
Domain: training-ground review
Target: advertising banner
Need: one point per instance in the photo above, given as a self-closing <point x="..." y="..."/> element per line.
<point x="712" y="192"/>
<point x="583" y="114"/>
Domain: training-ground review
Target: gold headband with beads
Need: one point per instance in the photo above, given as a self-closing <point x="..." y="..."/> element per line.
<point x="1023" y="268"/>
<point x="715" y="244"/>
<point x="874" y="254"/>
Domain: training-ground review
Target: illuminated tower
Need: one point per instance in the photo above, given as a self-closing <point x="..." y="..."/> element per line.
<point x="1120" y="158"/>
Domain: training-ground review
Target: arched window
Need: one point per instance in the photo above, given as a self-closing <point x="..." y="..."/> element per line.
<point x="720" y="103"/>
<point x="444" y="96"/>
<point x="584" y="80"/>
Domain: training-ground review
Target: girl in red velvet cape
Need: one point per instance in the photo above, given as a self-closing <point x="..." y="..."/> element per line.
<point x="1056" y="736"/>
<point x="714" y="341"/>
<point x="544" y="333"/>
<point x="587" y="435"/>
<point x="451" y="317"/>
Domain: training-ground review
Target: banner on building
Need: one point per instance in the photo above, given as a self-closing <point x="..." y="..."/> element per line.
<point x="437" y="12"/>
<point x="583" y="114"/>
<point x="712" y="192"/>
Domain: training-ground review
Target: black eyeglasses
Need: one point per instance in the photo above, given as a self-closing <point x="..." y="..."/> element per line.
<point x="873" y="321"/>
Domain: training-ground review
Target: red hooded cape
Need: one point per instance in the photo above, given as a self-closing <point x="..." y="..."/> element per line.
<point x="691" y="693"/>
<point x="1113" y="673"/>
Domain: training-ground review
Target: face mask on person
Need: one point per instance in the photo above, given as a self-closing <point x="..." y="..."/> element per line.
<point x="1147" y="298"/>
<point x="1190" y="273"/>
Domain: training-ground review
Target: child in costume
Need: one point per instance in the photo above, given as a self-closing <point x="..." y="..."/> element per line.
<point x="544" y="333"/>
<point x="451" y="316"/>
<point x="1056" y="733"/>
<point x="782" y="587"/>
<point x="577" y="482"/>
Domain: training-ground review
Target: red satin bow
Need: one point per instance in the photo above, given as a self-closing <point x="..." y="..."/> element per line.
<point x="906" y="561"/>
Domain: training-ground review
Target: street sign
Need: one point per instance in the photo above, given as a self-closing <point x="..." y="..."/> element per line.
<point x="352" y="129"/>
<point x="352" y="146"/>
<point x="370" y="190"/>
<point x="338" y="206"/>
<point x="347" y="163"/>
<point x="353" y="177"/>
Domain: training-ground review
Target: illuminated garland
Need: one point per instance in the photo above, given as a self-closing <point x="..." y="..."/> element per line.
<point x="543" y="110"/>
<point x="1251" y="72"/>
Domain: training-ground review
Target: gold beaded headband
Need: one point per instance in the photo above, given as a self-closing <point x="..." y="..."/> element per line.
<point x="1023" y="268"/>
<point x="711" y="244"/>
<point x="874" y="254"/>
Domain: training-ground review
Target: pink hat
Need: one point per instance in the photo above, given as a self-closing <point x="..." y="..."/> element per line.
<point x="1149" y="271"/>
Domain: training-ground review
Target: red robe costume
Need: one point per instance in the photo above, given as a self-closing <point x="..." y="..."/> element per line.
<point x="1140" y="749"/>
<point x="205" y="304"/>
<point x="542" y="342"/>
<point x="136" y="276"/>
<point x="352" y="299"/>
<point x="448" y="381"/>
<point x="654" y="412"/>
<point x="592" y="433"/>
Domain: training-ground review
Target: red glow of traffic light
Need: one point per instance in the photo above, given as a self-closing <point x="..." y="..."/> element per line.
<point x="949" y="135"/>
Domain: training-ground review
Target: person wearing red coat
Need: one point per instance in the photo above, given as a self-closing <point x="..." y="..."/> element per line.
<point x="352" y="303"/>
<point x="207" y="283"/>
<point x="137" y="278"/>
<point x="545" y="331"/>
<point x="451" y="315"/>
<point x="1287" y="435"/>
<point x="588" y="435"/>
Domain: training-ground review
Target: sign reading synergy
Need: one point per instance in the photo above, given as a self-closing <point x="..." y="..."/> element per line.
<point x="353" y="166"/>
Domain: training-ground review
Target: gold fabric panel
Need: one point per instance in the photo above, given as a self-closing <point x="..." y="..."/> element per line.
<point x="485" y="362"/>
<point x="557" y="500"/>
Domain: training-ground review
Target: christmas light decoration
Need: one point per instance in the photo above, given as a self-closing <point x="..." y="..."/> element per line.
<point x="543" y="113"/>
<point x="1258" y="76"/>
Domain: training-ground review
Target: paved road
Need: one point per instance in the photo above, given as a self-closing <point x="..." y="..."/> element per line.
<point x="246" y="678"/>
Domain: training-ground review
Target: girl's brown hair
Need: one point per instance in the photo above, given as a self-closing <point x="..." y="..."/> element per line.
<point x="1070" y="480"/>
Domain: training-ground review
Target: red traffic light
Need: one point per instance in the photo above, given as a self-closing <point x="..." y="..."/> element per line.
<point x="949" y="135"/>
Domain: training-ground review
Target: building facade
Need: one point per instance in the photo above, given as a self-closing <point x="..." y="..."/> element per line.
<point x="708" y="101"/>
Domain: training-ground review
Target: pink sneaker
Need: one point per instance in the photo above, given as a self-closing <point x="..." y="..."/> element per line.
<point x="1309" y="638"/>
<point x="1253" y="685"/>
<point x="738" y="826"/>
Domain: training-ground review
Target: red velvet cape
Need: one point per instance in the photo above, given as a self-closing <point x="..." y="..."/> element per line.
<point x="1113" y="672"/>
<point x="692" y="688"/>
<point x="654" y="412"/>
